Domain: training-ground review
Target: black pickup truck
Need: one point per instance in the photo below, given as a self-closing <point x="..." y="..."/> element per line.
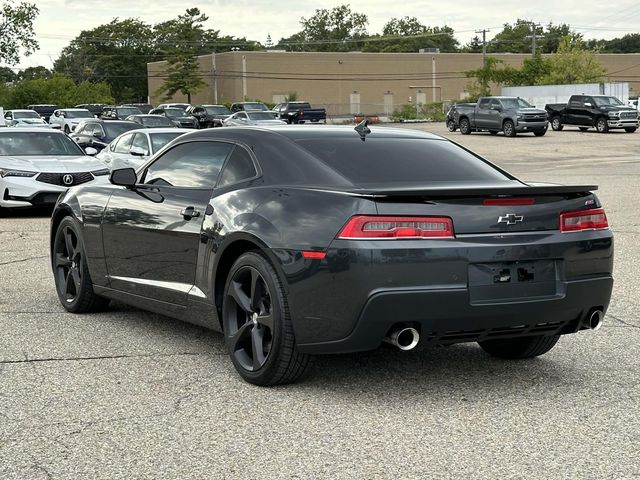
<point x="603" y="112"/>
<point x="299" y="112"/>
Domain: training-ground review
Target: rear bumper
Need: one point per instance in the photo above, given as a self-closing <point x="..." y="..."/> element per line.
<point x="445" y="316"/>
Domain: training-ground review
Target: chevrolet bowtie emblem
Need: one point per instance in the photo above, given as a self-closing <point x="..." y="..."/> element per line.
<point x="510" y="219"/>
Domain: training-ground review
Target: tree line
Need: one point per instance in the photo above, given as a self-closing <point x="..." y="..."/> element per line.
<point x="116" y="54"/>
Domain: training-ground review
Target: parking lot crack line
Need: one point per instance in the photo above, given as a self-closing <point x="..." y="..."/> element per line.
<point x="104" y="357"/>
<point x="24" y="260"/>
<point x="627" y="324"/>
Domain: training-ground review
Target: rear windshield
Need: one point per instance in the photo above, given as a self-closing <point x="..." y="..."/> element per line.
<point x="401" y="161"/>
<point x="126" y="111"/>
<point x="255" y="106"/>
<point x="77" y="114"/>
<point x="25" y="115"/>
<point x="114" y="129"/>
<point x="260" y="115"/>
<point x="156" y="121"/>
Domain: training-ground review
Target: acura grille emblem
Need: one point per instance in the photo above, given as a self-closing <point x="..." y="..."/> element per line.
<point x="510" y="219"/>
<point x="67" y="179"/>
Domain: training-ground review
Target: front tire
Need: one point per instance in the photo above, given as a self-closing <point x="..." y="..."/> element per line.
<point x="509" y="128"/>
<point x="601" y="125"/>
<point x="630" y="129"/>
<point x="540" y="133"/>
<point x="465" y="126"/>
<point x="257" y="324"/>
<point x="66" y="129"/>
<point x="519" y="348"/>
<point x="451" y="126"/>
<point x="556" y="124"/>
<point x="71" y="273"/>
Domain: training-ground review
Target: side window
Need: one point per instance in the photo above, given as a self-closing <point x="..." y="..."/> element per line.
<point x="124" y="144"/>
<point x="239" y="167"/>
<point x="495" y="104"/>
<point x="588" y="100"/>
<point x="140" y="141"/>
<point x="193" y="164"/>
<point x="484" y="103"/>
<point x="98" y="130"/>
<point x="576" y="101"/>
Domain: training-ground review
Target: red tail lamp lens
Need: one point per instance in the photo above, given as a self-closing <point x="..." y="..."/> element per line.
<point x="581" y="220"/>
<point x="364" y="226"/>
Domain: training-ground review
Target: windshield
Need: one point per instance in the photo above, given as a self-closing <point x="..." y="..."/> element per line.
<point x="113" y="129"/>
<point x="125" y="112"/>
<point x="156" y="121"/>
<point x="77" y="114"/>
<point x="20" y="144"/>
<point x="159" y="140"/>
<point x="218" y="110"/>
<point x="401" y="161"/>
<point x="260" y="115"/>
<point x="606" y="101"/>
<point x="255" y="106"/>
<point x="174" y="112"/>
<point x="514" y="103"/>
<point x="25" y="115"/>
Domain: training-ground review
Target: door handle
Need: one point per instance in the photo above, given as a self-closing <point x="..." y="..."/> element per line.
<point x="189" y="213"/>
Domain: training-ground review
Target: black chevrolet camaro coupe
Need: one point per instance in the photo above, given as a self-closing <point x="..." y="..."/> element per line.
<point x="296" y="241"/>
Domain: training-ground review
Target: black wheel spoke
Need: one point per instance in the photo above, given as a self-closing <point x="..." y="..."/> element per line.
<point x="240" y="335"/>
<point x="256" y="290"/>
<point x="239" y="296"/>
<point x="62" y="260"/>
<point x="75" y="274"/>
<point x="257" y="347"/>
<point x="68" y="281"/>
<point x="266" y="320"/>
<point x="68" y="241"/>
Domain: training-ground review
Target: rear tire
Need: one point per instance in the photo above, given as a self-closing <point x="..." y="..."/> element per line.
<point x="71" y="273"/>
<point x="556" y="124"/>
<point x="465" y="126"/>
<point x="257" y="324"/>
<point x="519" y="348"/>
<point x="630" y="129"/>
<point x="601" y="125"/>
<point x="509" y="128"/>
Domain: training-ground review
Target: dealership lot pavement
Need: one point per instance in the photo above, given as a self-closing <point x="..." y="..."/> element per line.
<point x="129" y="394"/>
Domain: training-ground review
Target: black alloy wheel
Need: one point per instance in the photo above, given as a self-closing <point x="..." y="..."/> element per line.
<point x="451" y="126"/>
<point x="509" y="128"/>
<point x="556" y="124"/>
<point x="73" y="283"/>
<point x="257" y="326"/>
<point x="465" y="126"/>
<point x="601" y="125"/>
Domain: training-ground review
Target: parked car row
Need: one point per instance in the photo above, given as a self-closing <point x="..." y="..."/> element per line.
<point x="512" y="115"/>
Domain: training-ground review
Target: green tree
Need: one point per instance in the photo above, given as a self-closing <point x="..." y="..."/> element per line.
<point x="335" y="30"/>
<point x="31" y="73"/>
<point x="7" y="75"/>
<point x="16" y="31"/>
<point x="474" y="46"/>
<point x="407" y="34"/>
<point x="181" y="39"/>
<point x="573" y="63"/>
<point x="116" y="52"/>
<point x="629" y="43"/>
<point x="513" y="38"/>
<point x="59" y="89"/>
<point x="553" y="35"/>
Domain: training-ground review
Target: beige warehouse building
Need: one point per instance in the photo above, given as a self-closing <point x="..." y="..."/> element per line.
<point x="353" y="82"/>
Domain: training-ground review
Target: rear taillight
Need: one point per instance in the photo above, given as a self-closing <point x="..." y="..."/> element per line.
<point x="364" y="226"/>
<point x="580" y="220"/>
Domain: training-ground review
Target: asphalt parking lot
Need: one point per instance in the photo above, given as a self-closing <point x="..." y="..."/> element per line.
<point x="129" y="394"/>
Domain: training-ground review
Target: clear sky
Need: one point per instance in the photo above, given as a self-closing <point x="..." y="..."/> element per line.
<point x="61" y="20"/>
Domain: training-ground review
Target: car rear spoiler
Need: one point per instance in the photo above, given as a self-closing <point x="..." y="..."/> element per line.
<point x="489" y="191"/>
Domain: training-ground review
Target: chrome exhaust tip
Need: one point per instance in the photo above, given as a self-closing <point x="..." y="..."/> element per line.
<point x="595" y="320"/>
<point x="405" y="338"/>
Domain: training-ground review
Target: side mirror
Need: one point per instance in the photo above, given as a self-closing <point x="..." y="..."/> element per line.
<point x="91" y="151"/>
<point x="125" y="177"/>
<point x="138" y="152"/>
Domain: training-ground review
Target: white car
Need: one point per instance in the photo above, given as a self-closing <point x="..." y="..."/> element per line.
<point x="69" y="118"/>
<point x="24" y="118"/>
<point x="256" y="117"/>
<point x="36" y="165"/>
<point x="132" y="149"/>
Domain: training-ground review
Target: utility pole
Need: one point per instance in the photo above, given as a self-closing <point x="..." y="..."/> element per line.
<point x="484" y="45"/>
<point x="534" y="36"/>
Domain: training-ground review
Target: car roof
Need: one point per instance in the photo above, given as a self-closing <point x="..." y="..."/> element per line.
<point x="160" y="130"/>
<point x="21" y="110"/>
<point x="297" y="132"/>
<point x="4" y="131"/>
<point x="73" y="109"/>
<point x="139" y="115"/>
